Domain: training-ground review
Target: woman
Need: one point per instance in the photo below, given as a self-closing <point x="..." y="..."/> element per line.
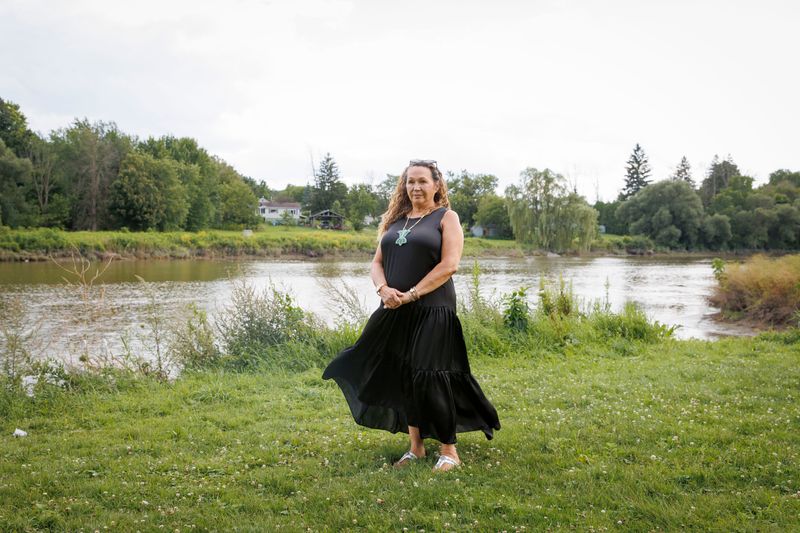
<point x="409" y="371"/>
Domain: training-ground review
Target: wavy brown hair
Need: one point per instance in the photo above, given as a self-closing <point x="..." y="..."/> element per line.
<point x="400" y="203"/>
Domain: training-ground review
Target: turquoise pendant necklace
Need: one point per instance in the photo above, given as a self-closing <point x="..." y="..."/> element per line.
<point x="401" y="240"/>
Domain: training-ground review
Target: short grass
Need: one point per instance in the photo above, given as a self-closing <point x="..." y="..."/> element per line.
<point x="681" y="435"/>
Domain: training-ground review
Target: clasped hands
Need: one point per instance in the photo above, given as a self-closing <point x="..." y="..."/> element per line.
<point x="392" y="298"/>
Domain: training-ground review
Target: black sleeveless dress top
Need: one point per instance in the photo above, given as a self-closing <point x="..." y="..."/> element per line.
<point x="410" y="367"/>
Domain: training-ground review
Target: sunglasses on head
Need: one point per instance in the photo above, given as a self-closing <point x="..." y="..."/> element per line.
<point x="422" y="162"/>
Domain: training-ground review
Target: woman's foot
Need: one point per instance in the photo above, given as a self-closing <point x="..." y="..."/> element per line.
<point x="448" y="458"/>
<point x="446" y="463"/>
<point x="416" y="448"/>
<point x="409" y="457"/>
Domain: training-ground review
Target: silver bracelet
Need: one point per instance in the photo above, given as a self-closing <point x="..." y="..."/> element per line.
<point x="378" y="289"/>
<point x="413" y="292"/>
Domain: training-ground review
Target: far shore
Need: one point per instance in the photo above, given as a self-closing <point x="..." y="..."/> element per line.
<point x="44" y="244"/>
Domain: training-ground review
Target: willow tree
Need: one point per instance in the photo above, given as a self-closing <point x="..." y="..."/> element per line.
<point x="545" y="214"/>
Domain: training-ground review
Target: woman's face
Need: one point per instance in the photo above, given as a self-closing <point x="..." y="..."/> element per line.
<point x="420" y="186"/>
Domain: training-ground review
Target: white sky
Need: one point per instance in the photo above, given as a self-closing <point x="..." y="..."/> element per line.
<point x="487" y="86"/>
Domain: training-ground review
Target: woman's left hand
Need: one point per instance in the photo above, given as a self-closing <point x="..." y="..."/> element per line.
<point x="405" y="297"/>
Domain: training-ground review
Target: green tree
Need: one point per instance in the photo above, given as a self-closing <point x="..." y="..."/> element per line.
<point x="47" y="189"/>
<point x="384" y="190"/>
<point x="15" y="175"/>
<point x="669" y="212"/>
<point x="260" y="189"/>
<point x="328" y="187"/>
<point x="14" y="129"/>
<point x="199" y="173"/>
<point x="784" y="230"/>
<point x="88" y="159"/>
<point x="717" y="231"/>
<point x="148" y="194"/>
<point x="465" y="191"/>
<point x="684" y="172"/>
<point x="719" y="176"/>
<point x="544" y="214"/>
<point x="607" y="216"/>
<point x="783" y="175"/>
<point x="493" y="213"/>
<point x="361" y="201"/>
<point x="292" y="193"/>
<point x="237" y="203"/>
<point x="637" y="172"/>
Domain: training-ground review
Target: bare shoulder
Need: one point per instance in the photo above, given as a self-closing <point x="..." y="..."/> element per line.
<point x="450" y="218"/>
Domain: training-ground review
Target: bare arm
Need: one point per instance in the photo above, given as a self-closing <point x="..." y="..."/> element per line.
<point x="452" y="247"/>
<point x="389" y="295"/>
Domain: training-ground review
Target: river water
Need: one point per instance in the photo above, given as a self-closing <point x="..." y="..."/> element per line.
<point x="671" y="290"/>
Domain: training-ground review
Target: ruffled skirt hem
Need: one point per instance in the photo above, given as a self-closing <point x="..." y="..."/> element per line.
<point x="409" y="367"/>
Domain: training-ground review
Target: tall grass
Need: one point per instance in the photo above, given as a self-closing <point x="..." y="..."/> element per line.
<point x="762" y="289"/>
<point x="267" y="241"/>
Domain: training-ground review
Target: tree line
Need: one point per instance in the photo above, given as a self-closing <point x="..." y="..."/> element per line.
<point x="725" y="211"/>
<point x="90" y="175"/>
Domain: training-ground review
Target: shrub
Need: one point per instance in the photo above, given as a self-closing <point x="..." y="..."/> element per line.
<point x="638" y="244"/>
<point x="516" y="313"/>
<point x="631" y="324"/>
<point x="761" y="289"/>
<point x="193" y="344"/>
<point x="254" y="324"/>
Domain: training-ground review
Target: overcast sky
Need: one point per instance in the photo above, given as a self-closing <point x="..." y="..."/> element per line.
<point x="485" y="86"/>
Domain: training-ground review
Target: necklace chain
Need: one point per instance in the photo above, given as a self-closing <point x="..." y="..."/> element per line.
<point x="401" y="239"/>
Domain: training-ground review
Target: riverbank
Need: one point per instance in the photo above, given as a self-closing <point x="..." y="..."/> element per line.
<point x="270" y="241"/>
<point x="278" y="241"/>
<point x="678" y="435"/>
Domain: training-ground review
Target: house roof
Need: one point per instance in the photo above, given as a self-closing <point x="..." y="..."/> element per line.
<point x="327" y="212"/>
<point x="266" y="203"/>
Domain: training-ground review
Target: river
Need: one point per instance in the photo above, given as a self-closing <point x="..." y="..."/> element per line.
<point x="670" y="290"/>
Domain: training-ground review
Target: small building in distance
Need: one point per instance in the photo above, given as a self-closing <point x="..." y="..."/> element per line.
<point x="274" y="212"/>
<point x="327" y="219"/>
<point x="490" y="230"/>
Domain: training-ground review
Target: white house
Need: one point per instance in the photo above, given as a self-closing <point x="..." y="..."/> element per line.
<point x="274" y="211"/>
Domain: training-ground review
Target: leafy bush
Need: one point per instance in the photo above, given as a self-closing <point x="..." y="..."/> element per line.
<point x="515" y="312"/>
<point x="632" y="324"/>
<point x="637" y="244"/>
<point x="254" y="324"/>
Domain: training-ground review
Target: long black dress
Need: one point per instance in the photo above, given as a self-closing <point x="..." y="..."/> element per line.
<point x="409" y="367"/>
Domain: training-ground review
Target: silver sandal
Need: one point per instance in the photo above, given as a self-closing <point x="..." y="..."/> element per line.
<point x="405" y="459"/>
<point x="445" y="460"/>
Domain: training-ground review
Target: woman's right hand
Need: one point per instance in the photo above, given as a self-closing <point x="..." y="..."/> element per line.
<point x="391" y="298"/>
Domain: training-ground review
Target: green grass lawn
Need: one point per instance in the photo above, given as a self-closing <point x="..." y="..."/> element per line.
<point x="684" y="435"/>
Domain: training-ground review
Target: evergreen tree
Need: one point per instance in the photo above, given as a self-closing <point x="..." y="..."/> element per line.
<point x="328" y="187"/>
<point x="684" y="172"/>
<point x="719" y="176"/>
<point x="636" y="173"/>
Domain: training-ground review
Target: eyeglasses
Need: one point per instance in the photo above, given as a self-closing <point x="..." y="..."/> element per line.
<point x="422" y="162"/>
